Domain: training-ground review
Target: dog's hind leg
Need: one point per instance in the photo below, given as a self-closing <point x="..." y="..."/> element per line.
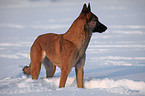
<point x="49" y="66"/>
<point x="37" y="55"/>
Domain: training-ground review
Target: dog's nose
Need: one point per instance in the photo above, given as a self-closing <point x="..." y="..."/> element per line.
<point x="105" y="28"/>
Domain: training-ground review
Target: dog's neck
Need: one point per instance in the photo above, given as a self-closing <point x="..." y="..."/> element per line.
<point x="78" y="34"/>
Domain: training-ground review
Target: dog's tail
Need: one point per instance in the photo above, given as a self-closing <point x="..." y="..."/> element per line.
<point x="27" y="70"/>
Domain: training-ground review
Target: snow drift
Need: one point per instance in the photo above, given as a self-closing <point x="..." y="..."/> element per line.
<point x="26" y="85"/>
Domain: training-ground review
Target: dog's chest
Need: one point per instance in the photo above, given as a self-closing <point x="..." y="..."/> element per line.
<point x="84" y="46"/>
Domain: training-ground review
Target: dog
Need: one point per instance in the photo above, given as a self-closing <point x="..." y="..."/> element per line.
<point x="65" y="50"/>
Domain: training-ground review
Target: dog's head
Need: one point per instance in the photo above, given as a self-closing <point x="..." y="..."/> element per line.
<point x="92" y="22"/>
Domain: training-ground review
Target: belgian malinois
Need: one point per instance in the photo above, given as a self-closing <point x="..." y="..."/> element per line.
<point x="65" y="50"/>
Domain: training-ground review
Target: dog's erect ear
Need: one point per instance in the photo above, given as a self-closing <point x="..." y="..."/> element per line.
<point x="89" y="7"/>
<point x="88" y="12"/>
<point x="85" y="9"/>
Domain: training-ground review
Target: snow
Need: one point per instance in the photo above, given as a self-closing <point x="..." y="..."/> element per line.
<point x="11" y="86"/>
<point x="115" y="63"/>
<point x="19" y="86"/>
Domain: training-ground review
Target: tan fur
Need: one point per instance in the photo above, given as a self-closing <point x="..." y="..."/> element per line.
<point x="62" y="50"/>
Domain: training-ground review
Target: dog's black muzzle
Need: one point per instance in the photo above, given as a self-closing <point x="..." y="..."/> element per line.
<point x="100" y="28"/>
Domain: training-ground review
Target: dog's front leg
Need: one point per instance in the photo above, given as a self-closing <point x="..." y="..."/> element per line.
<point x="63" y="78"/>
<point x="79" y="76"/>
<point x="80" y="72"/>
<point x="65" y="70"/>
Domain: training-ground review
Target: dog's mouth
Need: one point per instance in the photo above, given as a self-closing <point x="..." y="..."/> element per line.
<point x="103" y="29"/>
<point x="100" y="29"/>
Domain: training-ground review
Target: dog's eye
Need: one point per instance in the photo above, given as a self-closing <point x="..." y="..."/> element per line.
<point x="94" y="22"/>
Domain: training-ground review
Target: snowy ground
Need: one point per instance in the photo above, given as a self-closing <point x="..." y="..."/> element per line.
<point x="115" y="64"/>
